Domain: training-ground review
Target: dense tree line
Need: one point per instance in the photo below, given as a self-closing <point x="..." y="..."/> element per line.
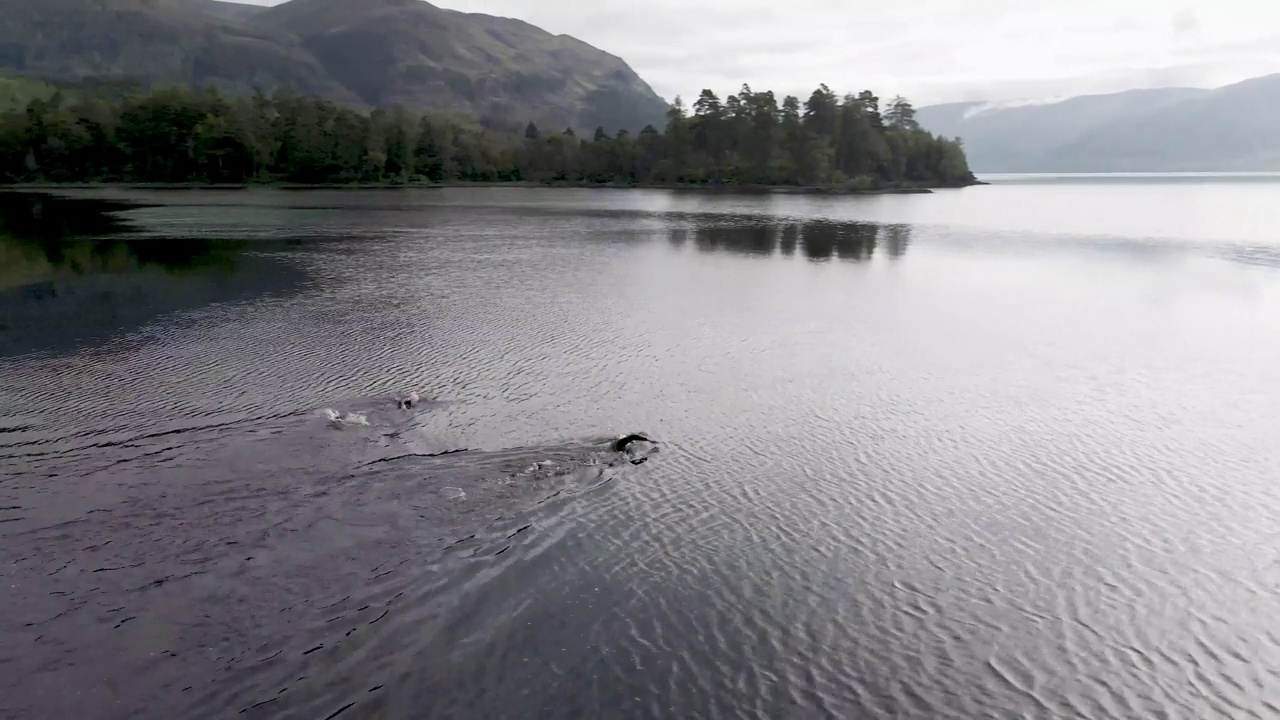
<point x="179" y="135"/>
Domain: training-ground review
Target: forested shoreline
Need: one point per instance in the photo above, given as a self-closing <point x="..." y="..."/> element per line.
<point x="182" y="136"/>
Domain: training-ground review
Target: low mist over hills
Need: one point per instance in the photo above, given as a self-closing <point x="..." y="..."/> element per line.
<point x="232" y="10"/>
<point x="359" y="52"/>
<point x="1232" y="128"/>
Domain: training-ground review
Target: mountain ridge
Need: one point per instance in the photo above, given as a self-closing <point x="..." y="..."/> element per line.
<point x="357" y="52"/>
<point x="1174" y="129"/>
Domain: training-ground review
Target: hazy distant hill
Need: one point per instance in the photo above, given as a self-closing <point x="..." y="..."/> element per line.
<point x="1233" y="128"/>
<point x="353" y="51"/>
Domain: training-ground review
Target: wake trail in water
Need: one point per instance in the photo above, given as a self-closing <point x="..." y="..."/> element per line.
<point x="224" y="563"/>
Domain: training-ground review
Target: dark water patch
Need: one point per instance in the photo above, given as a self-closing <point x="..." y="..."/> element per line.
<point x="240" y="566"/>
<point x="45" y="217"/>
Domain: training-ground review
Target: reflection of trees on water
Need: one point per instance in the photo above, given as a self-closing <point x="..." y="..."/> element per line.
<point x="35" y="216"/>
<point x="847" y="241"/>
<point x="897" y="237"/>
<point x="41" y="235"/>
<point x="84" y="256"/>
<point x="71" y="273"/>
<point x="818" y="240"/>
<point x="756" y="239"/>
<point x="790" y="238"/>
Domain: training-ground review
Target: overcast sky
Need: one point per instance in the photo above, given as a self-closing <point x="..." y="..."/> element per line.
<point x="929" y="50"/>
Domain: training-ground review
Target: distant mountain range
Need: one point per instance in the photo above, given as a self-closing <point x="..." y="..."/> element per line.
<point x="1232" y="128"/>
<point x="359" y="52"/>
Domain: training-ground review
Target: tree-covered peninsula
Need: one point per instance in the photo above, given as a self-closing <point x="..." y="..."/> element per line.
<point x="750" y="139"/>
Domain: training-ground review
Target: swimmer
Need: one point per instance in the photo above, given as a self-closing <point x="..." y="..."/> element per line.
<point x="623" y="441"/>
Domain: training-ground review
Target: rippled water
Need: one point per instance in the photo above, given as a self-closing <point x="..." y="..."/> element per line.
<point x="1000" y="452"/>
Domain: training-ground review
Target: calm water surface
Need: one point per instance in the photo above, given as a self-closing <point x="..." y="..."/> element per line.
<point x="1004" y="452"/>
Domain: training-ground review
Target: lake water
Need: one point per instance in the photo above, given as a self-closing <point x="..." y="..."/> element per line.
<point x="1008" y="451"/>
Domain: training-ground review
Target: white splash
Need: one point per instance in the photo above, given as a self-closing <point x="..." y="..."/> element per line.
<point x="339" y="419"/>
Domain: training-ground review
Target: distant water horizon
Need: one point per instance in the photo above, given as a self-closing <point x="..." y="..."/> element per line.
<point x="1008" y="178"/>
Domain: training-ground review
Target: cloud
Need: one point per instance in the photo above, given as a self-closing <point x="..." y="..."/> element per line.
<point x="1185" y="23"/>
<point x="929" y="50"/>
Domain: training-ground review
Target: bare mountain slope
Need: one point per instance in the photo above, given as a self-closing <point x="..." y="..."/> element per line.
<point x="153" y="42"/>
<point x="411" y="52"/>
